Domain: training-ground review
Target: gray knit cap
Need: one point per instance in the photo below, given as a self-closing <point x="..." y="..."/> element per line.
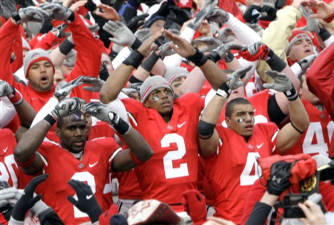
<point x="173" y="73"/>
<point x="151" y="84"/>
<point x="33" y="56"/>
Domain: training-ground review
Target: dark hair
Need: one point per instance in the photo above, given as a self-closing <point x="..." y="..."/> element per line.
<point x="230" y="105"/>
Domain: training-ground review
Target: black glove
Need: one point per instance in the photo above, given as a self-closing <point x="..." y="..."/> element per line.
<point x="136" y="22"/>
<point x="28" y="200"/>
<point x="252" y="14"/>
<point x="278" y="181"/>
<point x="86" y="200"/>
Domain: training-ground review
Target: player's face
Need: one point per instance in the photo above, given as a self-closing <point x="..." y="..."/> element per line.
<point x="40" y="75"/>
<point x="242" y="119"/>
<point x="160" y="99"/>
<point x="176" y="85"/>
<point x="300" y="49"/>
<point x="73" y="134"/>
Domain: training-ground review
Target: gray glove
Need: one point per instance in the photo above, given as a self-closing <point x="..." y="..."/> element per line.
<point x="64" y="90"/>
<point x="101" y="112"/>
<point x="122" y="34"/>
<point x="95" y="84"/>
<point x="60" y="31"/>
<point x="30" y="13"/>
<point x="93" y="28"/>
<point x="306" y="62"/>
<point x="225" y="35"/>
<point x="312" y="23"/>
<point x="201" y="15"/>
<point x="6" y="89"/>
<point x="166" y="50"/>
<point x="7" y="8"/>
<point x="218" y="16"/>
<point x="210" y="42"/>
<point x="234" y="80"/>
<point x="143" y="34"/>
<point x="281" y="83"/>
<point x="57" y="11"/>
<point x="66" y="107"/>
<point x="223" y="51"/>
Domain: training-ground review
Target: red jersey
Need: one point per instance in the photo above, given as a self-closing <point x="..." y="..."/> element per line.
<point x="234" y="169"/>
<point x="9" y="170"/>
<point x="93" y="168"/>
<point x="173" y="167"/>
<point x="316" y="139"/>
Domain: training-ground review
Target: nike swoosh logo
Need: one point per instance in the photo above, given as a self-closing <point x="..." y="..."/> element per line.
<point x="93" y="164"/>
<point x="89" y="197"/>
<point x="260" y="145"/>
<point x="181" y="124"/>
<point x="5" y="149"/>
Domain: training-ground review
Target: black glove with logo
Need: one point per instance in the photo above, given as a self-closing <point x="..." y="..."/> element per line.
<point x="278" y="181"/>
<point x="86" y="200"/>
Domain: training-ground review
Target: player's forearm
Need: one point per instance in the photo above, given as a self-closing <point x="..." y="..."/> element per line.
<point x="213" y="74"/>
<point x="212" y="110"/>
<point x="26" y="113"/>
<point x="115" y="83"/>
<point x="30" y="141"/>
<point x="298" y="115"/>
<point x="193" y="83"/>
<point x="138" y="145"/>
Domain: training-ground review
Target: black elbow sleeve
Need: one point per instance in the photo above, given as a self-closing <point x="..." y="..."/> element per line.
<point x="205" y="130"/>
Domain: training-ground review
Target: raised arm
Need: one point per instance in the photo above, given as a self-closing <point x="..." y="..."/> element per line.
<point x="138" y="150"/>
<point x="299" y="121"/>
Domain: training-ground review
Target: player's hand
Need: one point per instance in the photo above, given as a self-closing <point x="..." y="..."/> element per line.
<point x="165" y="50"/>
<point x="85" y="200"/>
<point x="107" y="12"/>
<point x="57" y="11"/>
<point x="253" y="52"/>
<point x="101" y="112"/>
<point x="60" y="31"/>
<point x="66" y="107"/>
<point x="149" y="44"/>
<point x="224" y="52"/>
<point x="6" y="89"/>
<point x="195" y="206"/>
<point x="311" y="23"/>
<point x="306" y="62"/>
<point x="281" y="83"/>
<point x="234" y="80"/>
<point x="219" y="16"/>
<point x="28" y="198"/>
<point x="30" y="13"/>
<point x="143" y="34"/>
<point x="323" y="10"/>
<point x="210" y="42"/>
<point x="95" y="84"/>
<point x="136" y="22"/>
<point x="180" y="45"/>
<point x="122" y="35"/>
<point x="225" y="35"/>
<point x="278" y="181"/>
<point x="63" y="91"/>
<point x="201" y="15"/>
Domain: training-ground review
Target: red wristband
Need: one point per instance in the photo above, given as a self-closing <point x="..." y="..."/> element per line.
<point x="17" y="98"/>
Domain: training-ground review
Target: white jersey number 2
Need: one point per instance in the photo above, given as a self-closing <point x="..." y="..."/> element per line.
<point x="170" y="171"/>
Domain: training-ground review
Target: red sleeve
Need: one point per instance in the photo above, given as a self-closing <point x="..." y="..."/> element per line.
<point x="18" y="51"/>
<point x="320" y="78"/>
<point x="88" y="56"/>
<point x="8" y="37"/>
<point x="47" y="41"/>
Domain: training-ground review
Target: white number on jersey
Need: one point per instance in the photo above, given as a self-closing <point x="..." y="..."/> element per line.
<point x="320" y="147"/>
<point x="246" y="178"/>
<point x="8" y="163"/>
<point x="170" y="171"/>
<point x="88" y="178"/>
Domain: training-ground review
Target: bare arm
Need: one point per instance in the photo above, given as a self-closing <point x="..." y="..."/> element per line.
<point x="29" y="144"/>
<point x="138" y="146"/>
<point x="26" y="113"/>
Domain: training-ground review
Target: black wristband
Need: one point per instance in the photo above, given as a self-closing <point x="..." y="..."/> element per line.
<point x="229" y="57"/>
<point x="275" y="62"/>
<point x="50" y="119"/>
<point x="198" y="58"/>
<point x="136" y="44"/>
<point x="134" y="59"/>
<point x="71" y="17"/>
<point x="324" y="34"/>
<point x="121" y="126"/>
<point x="205" y="130"/>
<point x="225" y="88"/>
<point x="90" y="5"/>
<point x="291" y="94"/>
<point x="214" y="56"/>
<point x="150" y="62"/>
<point x="66" y="46"/>
<point x="134" y="79"/>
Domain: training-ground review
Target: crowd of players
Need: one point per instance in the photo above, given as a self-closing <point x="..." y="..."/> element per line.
<point x="202" y="112"/>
